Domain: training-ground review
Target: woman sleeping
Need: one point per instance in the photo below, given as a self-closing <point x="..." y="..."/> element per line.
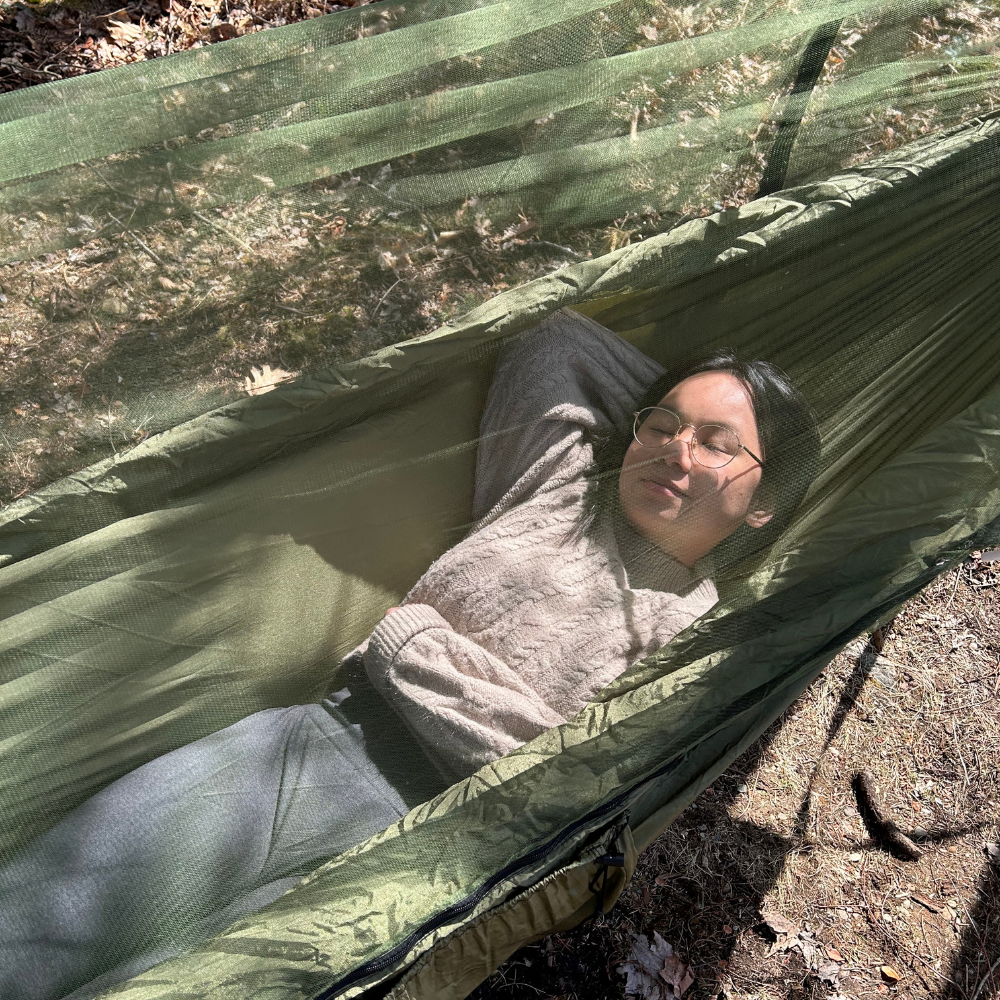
<point x="603" y="487"/>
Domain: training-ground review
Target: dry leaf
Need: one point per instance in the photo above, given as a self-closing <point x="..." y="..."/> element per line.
<point x="677" y="975"/>
<point x="779" y="925"/>
<point x="653" y="971"/>
<point x="524" y="226"/>
<point x="336" y="225"/>
<point x="834" y="954"/>
<point x="165" y="283"/>
<point x="993" y="852"/>
<point x="650" y="32"/>
<point x="662" y="879"/>
<point x="124" y="33"/>
<point x="890" y="975"/>
<point x="222" y="32"/>
<point x="265" y="379"/>
<point x="829" y="973"/>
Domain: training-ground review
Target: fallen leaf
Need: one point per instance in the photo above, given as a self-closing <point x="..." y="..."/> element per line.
<point x="650" y="32"/>
<point x="265" y="379"/>
<point x="779" y="925"/>
<point x="677" y="975"/>
<point x="806" y="945"/>
<point x="336" y="225"/>
<point x="993" y="852"/>
<point x="915" y="806"/>
<point x="164" y="282"/>
<point x="75" y="361"/>
<point x="124" y="33"/>
<point x="222" y="32"/>
<point x="726" y="929"/>
<point x="662" y="879"/>
<point x="829" y="973"/>
<point x="653" y="971"/>
<point x="834" y="954"/>
<point x="890" y="975"/>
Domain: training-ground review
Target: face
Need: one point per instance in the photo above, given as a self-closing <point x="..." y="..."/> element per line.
<point x="685" y="508"/>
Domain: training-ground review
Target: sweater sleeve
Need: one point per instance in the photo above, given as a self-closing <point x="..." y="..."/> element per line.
<point x="465" y="706"/>
<point x="564" y="378"/>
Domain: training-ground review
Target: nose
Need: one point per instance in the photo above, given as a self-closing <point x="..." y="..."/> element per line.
<point x="680" y="449"/>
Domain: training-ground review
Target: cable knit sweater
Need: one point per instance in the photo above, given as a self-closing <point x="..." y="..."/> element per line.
<point x="518" y="626"/>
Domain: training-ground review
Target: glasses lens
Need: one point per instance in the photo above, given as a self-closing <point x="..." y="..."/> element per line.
<point x="716" y="446"/>
<point x="656" y="427"/>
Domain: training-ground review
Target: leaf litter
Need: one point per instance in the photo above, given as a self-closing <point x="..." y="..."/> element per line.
<point x="653" y="971"/>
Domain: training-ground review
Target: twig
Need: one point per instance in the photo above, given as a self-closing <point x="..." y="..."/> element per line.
<point x="881" y="828"/>
<point x="556" y="246"/>
<point x="225" y="232"/>
<point x="986" y="979"/>
<point x="961" y="759"/>
<point x="954" y="590"/>
<point x="142" y="246"/>
<point x="381" y="300"/>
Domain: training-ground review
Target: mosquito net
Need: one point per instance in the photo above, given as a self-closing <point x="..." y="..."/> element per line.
<point x="360" y="683"/>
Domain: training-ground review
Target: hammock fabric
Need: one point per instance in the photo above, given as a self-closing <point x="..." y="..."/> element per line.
<point x="228" y="563"/>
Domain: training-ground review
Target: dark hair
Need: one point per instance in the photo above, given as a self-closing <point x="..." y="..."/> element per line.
<point x="789" y="438"/>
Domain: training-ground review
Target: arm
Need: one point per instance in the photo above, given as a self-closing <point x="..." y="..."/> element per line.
<point x="465" y="706"/>
<point x="566" y="377"/>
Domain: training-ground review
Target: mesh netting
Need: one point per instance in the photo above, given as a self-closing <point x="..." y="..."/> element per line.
<point x="478" y="234"/>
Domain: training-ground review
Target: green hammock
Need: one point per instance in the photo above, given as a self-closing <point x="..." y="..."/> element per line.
<point x="227" y="564"/>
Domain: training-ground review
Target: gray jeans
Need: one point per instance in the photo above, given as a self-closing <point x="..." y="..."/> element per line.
<point x="183" y="846"/>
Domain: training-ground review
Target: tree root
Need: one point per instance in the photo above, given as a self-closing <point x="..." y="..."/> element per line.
<point x="882" y="829"/>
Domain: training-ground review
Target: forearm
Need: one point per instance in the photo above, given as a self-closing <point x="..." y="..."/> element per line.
<point x="465" y="706"/>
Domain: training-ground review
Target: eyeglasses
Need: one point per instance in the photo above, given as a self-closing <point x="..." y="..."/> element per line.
<point x="712" y="445"/>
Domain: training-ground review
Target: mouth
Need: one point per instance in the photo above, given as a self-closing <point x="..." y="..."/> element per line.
<point x="661" y="489"/>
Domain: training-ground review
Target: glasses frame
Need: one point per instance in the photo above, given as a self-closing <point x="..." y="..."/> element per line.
<point x="693" y="441"/>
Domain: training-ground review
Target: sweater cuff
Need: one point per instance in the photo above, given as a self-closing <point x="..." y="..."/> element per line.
<point x="397" y="629"/>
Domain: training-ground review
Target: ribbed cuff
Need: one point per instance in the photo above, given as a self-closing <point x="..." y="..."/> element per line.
<point x="398" y="628"/>
<point x="704" y="591"/>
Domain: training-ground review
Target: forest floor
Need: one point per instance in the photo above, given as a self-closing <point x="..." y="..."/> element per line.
<point x="778" y="840"/>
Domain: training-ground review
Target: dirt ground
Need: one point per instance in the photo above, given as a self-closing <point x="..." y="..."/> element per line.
<point x="86" y="334"/>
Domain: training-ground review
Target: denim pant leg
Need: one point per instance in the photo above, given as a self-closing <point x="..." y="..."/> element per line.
<point x="179" y="848"/>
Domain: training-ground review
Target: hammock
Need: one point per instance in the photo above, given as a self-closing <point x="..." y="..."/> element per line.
<point x="228" y="563"/>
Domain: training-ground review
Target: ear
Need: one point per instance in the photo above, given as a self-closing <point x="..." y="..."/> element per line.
<point x="758" y="518"/>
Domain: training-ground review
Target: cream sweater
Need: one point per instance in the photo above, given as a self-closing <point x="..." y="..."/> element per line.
<point x="518" y="626"/>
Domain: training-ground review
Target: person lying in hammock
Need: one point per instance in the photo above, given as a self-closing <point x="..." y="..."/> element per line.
<point x="603" y="488"/>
